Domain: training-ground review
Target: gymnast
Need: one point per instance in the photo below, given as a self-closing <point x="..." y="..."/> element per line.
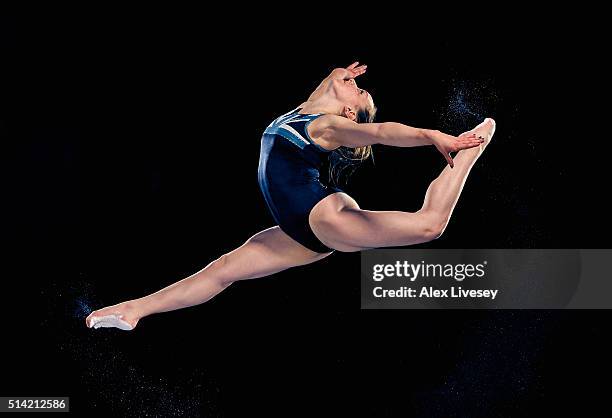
<point x="334" y="128"/>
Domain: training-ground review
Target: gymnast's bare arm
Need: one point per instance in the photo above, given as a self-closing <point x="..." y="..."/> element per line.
<point x="339" y="131"/>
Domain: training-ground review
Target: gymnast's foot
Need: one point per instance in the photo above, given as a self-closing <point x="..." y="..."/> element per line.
<point x="123" y="315"/>
<point x="485" y="130"/>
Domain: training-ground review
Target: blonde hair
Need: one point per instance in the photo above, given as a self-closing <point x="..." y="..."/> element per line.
<point x="345" y="160"/>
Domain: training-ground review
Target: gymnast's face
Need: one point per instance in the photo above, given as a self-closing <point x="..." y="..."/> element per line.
<point x="354" y="98"/>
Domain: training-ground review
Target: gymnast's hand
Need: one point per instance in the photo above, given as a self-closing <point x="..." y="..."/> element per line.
<point x="448" y="143"/>
<point x="352" y="71"/>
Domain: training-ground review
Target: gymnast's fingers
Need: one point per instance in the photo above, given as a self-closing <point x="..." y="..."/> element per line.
<point x="466" y="145"/>
<point x="470" y="141"/>
<point x="353" y="65"/>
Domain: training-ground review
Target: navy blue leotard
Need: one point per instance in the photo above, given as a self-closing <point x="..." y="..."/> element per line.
<point x="289" y="166"/>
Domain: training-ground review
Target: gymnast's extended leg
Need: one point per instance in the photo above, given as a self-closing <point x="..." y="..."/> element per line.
<point x="341" y="224"/>
<point x="265" y="253"/>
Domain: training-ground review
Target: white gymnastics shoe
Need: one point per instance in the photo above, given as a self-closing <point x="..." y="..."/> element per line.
<point x="110" y="321"/>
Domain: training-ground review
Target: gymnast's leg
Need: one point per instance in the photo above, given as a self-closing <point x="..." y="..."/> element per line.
<point x="265" y="253"/>
<point x="340" y="223"/>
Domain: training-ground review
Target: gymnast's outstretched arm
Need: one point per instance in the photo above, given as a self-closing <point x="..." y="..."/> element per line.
<point x="338" y="131"/>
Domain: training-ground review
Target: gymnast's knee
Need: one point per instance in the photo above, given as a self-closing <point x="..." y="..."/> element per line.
<point x="219" y="264"/>
<point x="434" y="225"/>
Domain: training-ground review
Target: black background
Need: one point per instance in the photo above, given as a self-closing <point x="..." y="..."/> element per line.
<point x="130" y="150"/>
